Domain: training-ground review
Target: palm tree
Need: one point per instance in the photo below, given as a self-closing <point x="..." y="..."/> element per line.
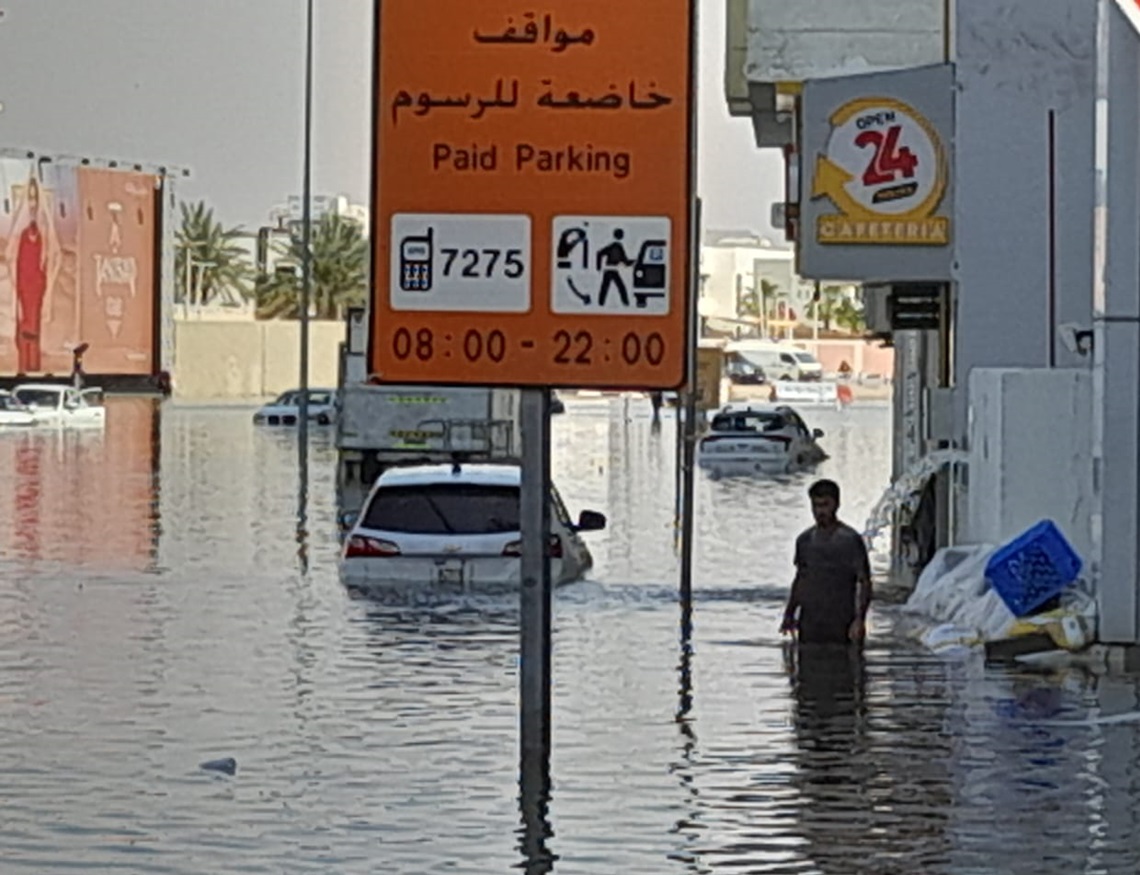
<point x="769" y="293"/>
<point x="849" y="314"/>
<point x="210" y="263"/>
<point x="831" y="299"/>
<point x="340" y="273"/>
<point x="748" y="305"/>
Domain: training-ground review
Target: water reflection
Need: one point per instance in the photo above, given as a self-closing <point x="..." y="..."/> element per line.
<point x="303" y="505"/>
<point x="536" y="831"/>
<point x="830" y="753"/>
<point x="682" y="768"/>
<point x="93" y="494"/>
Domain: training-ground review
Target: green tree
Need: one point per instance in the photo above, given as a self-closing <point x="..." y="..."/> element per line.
<point x="749" y="305"/>
<point x="340" y="258"/>
<point x="849" y="315"/>
<point x="831" y="300"/>
<point x="210" y="262"/>
<point x="769" y="294"/>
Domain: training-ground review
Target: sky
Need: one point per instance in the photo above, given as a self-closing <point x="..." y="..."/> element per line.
<point x="217" y="86"/>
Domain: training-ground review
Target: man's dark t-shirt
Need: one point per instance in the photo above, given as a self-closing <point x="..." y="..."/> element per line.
<point x="829" y="565"/>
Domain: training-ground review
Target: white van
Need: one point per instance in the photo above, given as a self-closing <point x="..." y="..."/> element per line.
<point x="779" y="361"/>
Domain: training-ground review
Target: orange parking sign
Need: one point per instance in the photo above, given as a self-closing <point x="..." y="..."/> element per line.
<point x="533" y="191"/>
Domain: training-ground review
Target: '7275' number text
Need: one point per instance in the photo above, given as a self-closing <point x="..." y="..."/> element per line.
<point x="482" y="263"/>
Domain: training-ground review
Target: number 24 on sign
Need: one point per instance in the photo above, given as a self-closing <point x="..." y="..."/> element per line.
<point x="889" y="160"/>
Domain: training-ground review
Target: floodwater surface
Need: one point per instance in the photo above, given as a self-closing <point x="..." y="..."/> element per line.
<point x="167" y="598"/>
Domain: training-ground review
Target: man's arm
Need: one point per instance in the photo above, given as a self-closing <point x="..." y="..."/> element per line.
<point x="789" y="622"/>
<point x="862" y="591"/>
<point x="863" y="582"/>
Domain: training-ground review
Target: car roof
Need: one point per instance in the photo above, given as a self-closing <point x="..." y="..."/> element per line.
<point x="754" y="407"/>
<point x="281" y="395"/>
<point x="428" y="475"/>
<point x="44" y="387"/>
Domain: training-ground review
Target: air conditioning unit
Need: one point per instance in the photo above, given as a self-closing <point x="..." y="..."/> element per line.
<point x="877" y="309"/>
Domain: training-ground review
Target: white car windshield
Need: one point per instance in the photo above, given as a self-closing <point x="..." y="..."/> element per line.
<point x="289" y="399"/>
<point x="805" y="357"/>
<point x="444" y="509"/>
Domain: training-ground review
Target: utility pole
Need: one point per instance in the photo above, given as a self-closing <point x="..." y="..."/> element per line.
<point x="306" y="244"/>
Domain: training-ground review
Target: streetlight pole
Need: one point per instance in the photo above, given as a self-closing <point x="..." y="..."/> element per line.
<point x="815" y="316"/>
<point x="306" y="243"/>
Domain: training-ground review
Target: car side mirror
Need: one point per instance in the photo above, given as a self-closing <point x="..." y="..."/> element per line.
<point x="590" y="521"/>
<point x="817" y="432"/>
<point x="348" y="520"/>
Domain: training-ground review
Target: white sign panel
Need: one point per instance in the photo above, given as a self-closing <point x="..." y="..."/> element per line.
<point x="456" y="262"/>
<point x="878" y="200"/>
<point x="788" y="392"/>
<point x="610" y="264"/>
<point x="382" y="418"/>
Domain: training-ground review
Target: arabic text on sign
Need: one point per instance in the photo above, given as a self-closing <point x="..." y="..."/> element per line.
<point x="534" y="33"/>
<point x="507" y="97"/>
<point x="613" y="99"/>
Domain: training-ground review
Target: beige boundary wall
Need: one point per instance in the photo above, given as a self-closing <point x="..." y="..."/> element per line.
<point x="247" y="359"/>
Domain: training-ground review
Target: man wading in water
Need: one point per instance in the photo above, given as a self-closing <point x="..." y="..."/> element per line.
<point x="832" y="588"/>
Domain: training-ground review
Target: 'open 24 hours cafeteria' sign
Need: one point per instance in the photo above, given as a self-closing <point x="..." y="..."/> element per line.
<point x="878" y="203"/>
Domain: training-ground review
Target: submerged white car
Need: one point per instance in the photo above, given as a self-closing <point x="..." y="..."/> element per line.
<point x="455" y="527"/>
<point x="13" y="414"/>
<point x="747" y="437"/>
<point x="286" y="408"/>
<point x="58" y="404"/>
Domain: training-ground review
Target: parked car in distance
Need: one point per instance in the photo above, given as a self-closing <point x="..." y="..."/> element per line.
<point x="285" y="409"/>
<point x="744" y="372"/>
<point x="778" y="361"/>
<point x="454" y="527"/>
<point x="13" y="413"/>
<point x="747" y="437"/>
<point x="61" y="404"/>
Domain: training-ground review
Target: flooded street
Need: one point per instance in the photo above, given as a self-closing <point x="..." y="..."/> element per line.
<point x="160" y="606"/>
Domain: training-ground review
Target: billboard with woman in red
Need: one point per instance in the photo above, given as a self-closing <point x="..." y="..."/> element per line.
<point x="79" y="250"/>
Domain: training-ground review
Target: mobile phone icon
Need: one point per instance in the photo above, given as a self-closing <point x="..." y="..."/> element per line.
<point x="416" y="254"/>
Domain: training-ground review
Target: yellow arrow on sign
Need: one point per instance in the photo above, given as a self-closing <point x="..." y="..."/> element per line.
<point x="831" y="181"/>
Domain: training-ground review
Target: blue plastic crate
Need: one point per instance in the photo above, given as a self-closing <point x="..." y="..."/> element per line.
<point x="1033" y="568"/>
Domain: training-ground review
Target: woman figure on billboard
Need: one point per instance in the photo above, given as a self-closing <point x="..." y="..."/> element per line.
<point x="33" y="263"/>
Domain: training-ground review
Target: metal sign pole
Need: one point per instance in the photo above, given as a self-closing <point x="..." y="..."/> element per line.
<point x="535" y="596"/>
<point x="688" y="443"/>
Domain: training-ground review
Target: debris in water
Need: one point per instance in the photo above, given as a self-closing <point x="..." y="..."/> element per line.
<point x="227" y="766"/>
<point x="904" y="493"/>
